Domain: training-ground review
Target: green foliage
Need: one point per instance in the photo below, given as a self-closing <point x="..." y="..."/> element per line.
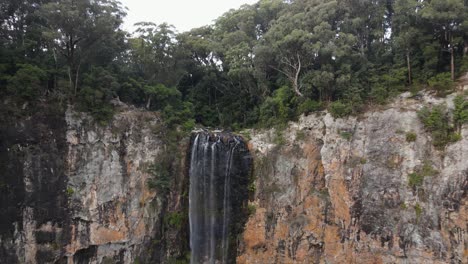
<point x="179" y="260"/>
<point x="460" y="113"/>
<point x="418" y="210"/>
<point x="161" y="173"/>
<point x="387" y="85"/>
<point x="403" y="206"/>
<point x="437" y="121"/>
<point x="279" y="139"/>
<point x="339" y="109"/>
<point x="415" y="180"/>
<point x="454" y="137"/>
<point x="175" y="219"/>
<point x="70" y="191"/>
<point x="260" y="65"/>
<point x="99" y="86"/>
<point x="347" y="135"/>
<point x="252" y="188"/>
<point x="27" y="83"/>
<point x="411" y="137"/>
<point x="80" y="29"/>
<point x="252" y="209"/>
<point x="300" y="135"/>
<point x="180" y="114"/>
<point x="276" y="110"/>
<point x="442" y="83"/>
<point x="427" y="169"/>
<point x="309" y="106"/>
<point x="246" y="135"/>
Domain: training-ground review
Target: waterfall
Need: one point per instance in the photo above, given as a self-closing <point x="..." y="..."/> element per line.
<point x="219" y="170"/>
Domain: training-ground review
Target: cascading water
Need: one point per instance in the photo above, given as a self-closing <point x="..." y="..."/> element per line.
<point x="219" y="171"/>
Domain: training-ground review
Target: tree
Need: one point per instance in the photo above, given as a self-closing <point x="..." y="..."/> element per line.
<point x="447" y="16"/>
<point x="293" y="47"/>
<point x="153" y="53"/>
<point x="74" y="26"/>
<point x="27" y="83"/>
<point x="405" y="30"/>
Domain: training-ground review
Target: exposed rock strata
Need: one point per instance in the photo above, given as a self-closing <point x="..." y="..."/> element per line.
<point x="336" y="191"/>
<point x="76" y="191"/>
<point x="326" y="191"/>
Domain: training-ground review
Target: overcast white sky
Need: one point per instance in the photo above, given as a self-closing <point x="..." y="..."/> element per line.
<point x="183" y="14"/>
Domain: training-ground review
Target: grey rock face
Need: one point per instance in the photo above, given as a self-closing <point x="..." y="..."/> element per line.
<point x="76" y="191"/>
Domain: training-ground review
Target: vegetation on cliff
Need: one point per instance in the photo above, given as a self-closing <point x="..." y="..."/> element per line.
<point x="261" y="64"/>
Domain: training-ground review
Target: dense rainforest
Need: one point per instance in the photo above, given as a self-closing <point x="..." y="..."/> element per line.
<point x="259" y="65"/>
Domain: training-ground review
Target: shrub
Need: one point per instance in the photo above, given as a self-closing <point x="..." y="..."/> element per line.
<point x="418" y="209"/>
<point x="346" y="135"/>
<point x="428" y="170"/>
<point x="300" y="135"/>
<point x="279" y="139"/>
<point x="27" y="82"/>
<point x="379" y="94"/>
<point x="174" y="219"/>
<point x="308" y="106"/>
<point x="70" y="191"/>
<point x="454" y="137"/>
<point x="460" y="113"/>
<point x="161" y="176"/>
<point x="415" y="179"/>
<point x="411" y="137"/>
<point x="436" y="120"/>
<point x="252" y="209"/>
<point x="276" y="110"/>
<point x="442" y="83"/>
<point x="339" y="109"/>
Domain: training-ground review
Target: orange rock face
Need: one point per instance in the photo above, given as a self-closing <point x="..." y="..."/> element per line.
<point x="329" y="199"/>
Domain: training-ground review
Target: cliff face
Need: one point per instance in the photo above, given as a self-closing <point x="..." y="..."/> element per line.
<point x="76" y="192"/>
<point x="112" y="211"/>
<point x="339" y="191"/>
<point x="324" y="190"/>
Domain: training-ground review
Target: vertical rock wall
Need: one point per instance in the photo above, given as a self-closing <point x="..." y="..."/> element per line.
<point x="32" y="187"/>
<point x="326" y="191"/>
<point x="73" y="191"/>
<point x="112" y="210"/>
<point x="337" y="191"/>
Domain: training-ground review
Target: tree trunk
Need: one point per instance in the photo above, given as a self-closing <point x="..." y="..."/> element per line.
<point x="71" y="63"/>
<point x="56" y="68"/>
<point x="70" y="79"/>
<point x="296" y="88"/>
<point x="296" y="76"/>
<point x="465" y="49"/>
<point x="452" y="63"/>
<point x="76" y="77"/>
<point x="148" y="104"/>
<point x="452" y="58"/>
<point x="408" y="62"/>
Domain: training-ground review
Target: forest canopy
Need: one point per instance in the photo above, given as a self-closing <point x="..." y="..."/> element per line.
<point x="259" y="65"/>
